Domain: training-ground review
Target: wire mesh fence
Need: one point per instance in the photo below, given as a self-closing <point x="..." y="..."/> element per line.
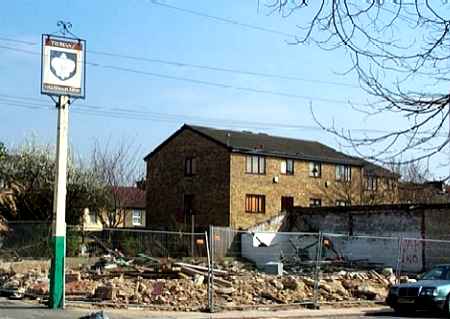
<point x="140" y="267"/>
<point x="221" y="269"/>
<point x="314" y="268"/>
<point x="25" y="240"/>
<point x="263" y="269"/>
<point x="131" y="242"/>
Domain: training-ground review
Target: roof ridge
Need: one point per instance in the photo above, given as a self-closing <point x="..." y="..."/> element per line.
<point x="259" y="133"/>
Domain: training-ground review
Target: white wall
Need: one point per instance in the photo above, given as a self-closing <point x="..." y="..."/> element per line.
<point x="380" y="252"/>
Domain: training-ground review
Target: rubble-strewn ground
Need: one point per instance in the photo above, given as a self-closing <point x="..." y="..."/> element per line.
<point x="178" y="286"/>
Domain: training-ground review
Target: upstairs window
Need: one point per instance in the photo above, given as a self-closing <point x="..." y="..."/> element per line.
<point x="255" y="203"/>
<point x="190" y="166"/>
<point x="390" y="183"/>
<point x="371" y="183"/>
<point x="255" y="164"/>
<point x="343" y="173"/>
<point x="315" y="169"/>
<point x="315" y="202"/>
<point x="287" y="167"/>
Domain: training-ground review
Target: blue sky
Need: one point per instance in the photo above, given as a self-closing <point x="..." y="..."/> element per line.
<point x="141" y="28"/>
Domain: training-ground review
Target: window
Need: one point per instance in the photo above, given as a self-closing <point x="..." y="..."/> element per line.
<point x="343" y="173"/>
<point x="371" y="183"/>
<point x="190" y="166"/>
<point x="287" y="167"/>
<point x="188" y="208"/>
<point x="342" y="203"/>
<point x="92" y="217"/>
<point x="255" y="203"/>
<point x="390" y="183"/>
<point x="315" y="169"/>
<point x="137" y="218"/>
<point x="315" y="202"/>
<point x="188" y="205"/>
<point x="287" y="202"/>
<point x="255" y="164"/>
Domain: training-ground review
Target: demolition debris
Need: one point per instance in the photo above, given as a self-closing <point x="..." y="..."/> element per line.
<point x="163" y="283"/>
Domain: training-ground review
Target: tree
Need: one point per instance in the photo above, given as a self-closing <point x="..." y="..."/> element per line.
<point x="29" y="173"/>
<point x="116" y="167"/>
<point x="400" y="51"/>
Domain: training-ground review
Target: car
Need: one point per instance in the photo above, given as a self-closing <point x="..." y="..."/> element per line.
<point x="430" y="292"/>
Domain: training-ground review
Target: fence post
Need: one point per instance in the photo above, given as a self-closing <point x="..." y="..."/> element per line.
<point x="399" y="260"/>
<point x="210" y="252"/>
<point x="316" y="291"/>
<point x="192" y="234"/>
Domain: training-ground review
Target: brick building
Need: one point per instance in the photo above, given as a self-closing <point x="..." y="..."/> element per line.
<point x="237" y="179"/>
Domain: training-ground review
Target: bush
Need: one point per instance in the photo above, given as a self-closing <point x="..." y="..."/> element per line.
<point x="130" y="246"/>
<point x="73" y="243"/>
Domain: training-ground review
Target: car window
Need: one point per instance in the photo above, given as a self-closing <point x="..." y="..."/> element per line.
<point x="436" y="274"/>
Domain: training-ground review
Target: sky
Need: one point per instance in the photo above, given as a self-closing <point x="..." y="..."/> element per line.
<point x="144" y="100"/>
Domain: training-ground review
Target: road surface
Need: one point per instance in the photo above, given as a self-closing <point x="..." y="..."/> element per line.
<point x="12" y="309"/>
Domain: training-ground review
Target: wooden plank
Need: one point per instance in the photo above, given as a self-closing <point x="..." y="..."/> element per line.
<point x="194" y="272"/>
<point x="201" y="268"/>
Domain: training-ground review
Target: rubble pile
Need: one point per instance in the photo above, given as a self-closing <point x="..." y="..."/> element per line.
<point x="251" y="287"/>
<point x="167" y="284"/>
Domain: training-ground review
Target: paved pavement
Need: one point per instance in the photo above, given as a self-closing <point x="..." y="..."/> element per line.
<point x="10" y="309"/>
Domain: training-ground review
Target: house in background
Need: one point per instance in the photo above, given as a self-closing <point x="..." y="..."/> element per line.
<point x="218" y="177"/>
<point x="129" y="211"/>
<point x="432" y="192"/>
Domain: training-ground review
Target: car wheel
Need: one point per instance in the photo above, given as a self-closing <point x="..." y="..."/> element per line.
<point x="403" y="310"/>
<point x="446" y="309"/>
<point x="399" y="310"/>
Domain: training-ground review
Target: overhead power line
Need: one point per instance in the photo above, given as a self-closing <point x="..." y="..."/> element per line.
<point x="126" y="112"/>
<point x="181" y="64"/>
<point x="224" y="20"/>
<point x="204" y="82"/>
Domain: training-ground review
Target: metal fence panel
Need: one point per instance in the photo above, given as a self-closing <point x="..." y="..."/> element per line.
<point x="263" y="269"/>
<point x="116" y="267"/>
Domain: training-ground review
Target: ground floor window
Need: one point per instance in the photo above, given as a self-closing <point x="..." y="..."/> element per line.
<point x="343" y="203"/>
<point x="255" y="203"/>
<point x="315" y="202"/>
<point x="287" y="202"/>
<point x="93" y="217"/>
<point x="137" y="217"/>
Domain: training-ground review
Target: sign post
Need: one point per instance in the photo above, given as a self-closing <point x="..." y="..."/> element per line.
<point x="62" y="76"/>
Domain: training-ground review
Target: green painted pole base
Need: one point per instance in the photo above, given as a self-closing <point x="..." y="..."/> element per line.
<point x="56" y="300"/>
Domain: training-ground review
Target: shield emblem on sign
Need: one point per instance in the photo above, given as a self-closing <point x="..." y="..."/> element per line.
<point x="63" y="64"/>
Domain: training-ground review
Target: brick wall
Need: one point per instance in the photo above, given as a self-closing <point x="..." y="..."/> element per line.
<point x="300" y="186"/>
<point x="412" y="223"/>
<point x="167" y="183"/>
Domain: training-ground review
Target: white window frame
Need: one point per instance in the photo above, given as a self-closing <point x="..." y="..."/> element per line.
<point x="342" y="203"/>
<point x="134" y="218"/>
<point x="343" y="173"/>
<point x="315" y="202"/>
<point x="93" y="214"/>
<point x="318" y="167"/>
<point x="371" y="183"/>
<point x="255" y="164"/>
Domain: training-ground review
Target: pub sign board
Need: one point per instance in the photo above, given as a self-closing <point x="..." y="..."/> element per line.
<point x="63" y="66"/>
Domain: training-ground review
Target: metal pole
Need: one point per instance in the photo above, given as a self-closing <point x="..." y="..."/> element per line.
<point x="317" y="272"/>
<point x="57" y="274"/>
<point x="210" y="307"/>
<point x="399" y="260"/>
<point x="211" y="269"/>
<point x="192" y="235"/>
